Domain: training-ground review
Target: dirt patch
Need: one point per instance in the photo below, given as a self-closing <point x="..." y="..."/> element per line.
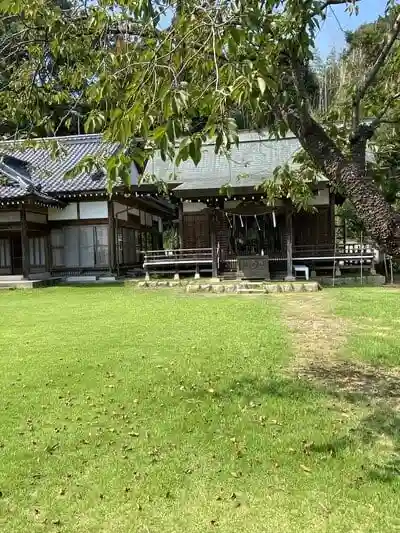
<point x="317" y="334"/>
<point x="318" y="337"/>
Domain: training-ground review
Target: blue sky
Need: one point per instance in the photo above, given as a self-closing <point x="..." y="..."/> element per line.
<point x="331" y="35"/>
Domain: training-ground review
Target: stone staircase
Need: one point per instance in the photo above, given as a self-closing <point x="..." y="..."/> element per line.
<point x="228" y="287"/>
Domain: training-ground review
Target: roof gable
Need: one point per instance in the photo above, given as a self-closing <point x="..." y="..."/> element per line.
<point x="248" y="164"/>
<point x="47" y="172"/>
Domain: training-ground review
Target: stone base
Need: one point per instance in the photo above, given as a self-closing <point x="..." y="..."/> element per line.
<point x="229" y="287"/>
<point x="351" y="281"/>
<point x="80" y="279"/>
<point x="28" y="283"/>
<point x="254" y="287"/>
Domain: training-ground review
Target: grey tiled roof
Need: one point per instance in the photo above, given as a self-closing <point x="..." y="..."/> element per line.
<point x="252" y="162"/>
<point x="47" y="171"/>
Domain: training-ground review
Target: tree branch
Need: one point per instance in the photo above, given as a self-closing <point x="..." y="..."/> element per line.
<point x="334" y="3"/>
<point x="380" y="117"/>
<point x="371" y="76"/>
<point x="298" y="77"/>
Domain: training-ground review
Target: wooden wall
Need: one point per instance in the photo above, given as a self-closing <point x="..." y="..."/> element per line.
<point x="196" y="230"/>
<point x="313" y="228"/>
<point x="308" y="228"/>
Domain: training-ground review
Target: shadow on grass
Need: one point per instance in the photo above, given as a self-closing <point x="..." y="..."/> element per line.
<point x="383" y="424"/>
<point x="93" y="285"/>
<point x="366" y="389"/>
<point x="371" y="387"/>
<point x="250" y="388"/>
<point x="355" y="383"/>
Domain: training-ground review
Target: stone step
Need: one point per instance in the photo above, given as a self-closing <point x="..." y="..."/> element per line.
<point x="80" y="279"/>
<point x="29" y="283"/>
<point x="251" y="291"/>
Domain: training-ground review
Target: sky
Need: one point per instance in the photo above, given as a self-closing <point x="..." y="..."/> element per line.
<point x="331" y="35"/>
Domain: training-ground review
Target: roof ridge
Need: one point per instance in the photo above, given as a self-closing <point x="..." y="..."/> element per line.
<point x="260" y="138"/>
<point x="82" y="138"/>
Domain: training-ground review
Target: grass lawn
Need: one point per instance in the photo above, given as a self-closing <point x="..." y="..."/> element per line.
<point x="127" y="411"/>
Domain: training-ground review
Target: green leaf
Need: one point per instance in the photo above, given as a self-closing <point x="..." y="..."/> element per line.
<point x="261" y="84"/>
<point x="195" y="152"/>
<point x="159" y="133"/>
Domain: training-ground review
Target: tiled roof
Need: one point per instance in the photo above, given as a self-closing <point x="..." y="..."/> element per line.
<point x="18" y="182"/>
<point x="248" y="164"/>
<point x="47" y="172"/>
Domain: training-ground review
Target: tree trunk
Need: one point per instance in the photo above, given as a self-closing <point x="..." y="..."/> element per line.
<point x="378" y="217"/>
<point x="380" y="220"/>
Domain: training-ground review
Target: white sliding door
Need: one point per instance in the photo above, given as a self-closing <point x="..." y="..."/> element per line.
<point x="71" y="246"/>
<point x="80" y="246"/>
<point x="87" y="246"/>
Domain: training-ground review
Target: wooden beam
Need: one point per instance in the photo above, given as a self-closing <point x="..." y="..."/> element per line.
<point x="25" y="245"/>
<point x="332" y="217"/>
<point x="111" y="236"/>
<point x="213" y="236"/>
<point x="49" y="253"/>
<point x="289" y="242"/>
<point x="86" y="222"/>
<point x="181" y="228"/>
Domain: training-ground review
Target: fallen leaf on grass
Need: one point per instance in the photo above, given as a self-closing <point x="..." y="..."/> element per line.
<point x="51" y="448"/>
<point x="307" y="447"/>
<point x="275" y="422"/>
<point x="306" y="469"/>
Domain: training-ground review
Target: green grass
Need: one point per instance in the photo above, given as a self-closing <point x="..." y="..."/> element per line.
<point x="127" y="411"/>
<point x="376" y="313"/>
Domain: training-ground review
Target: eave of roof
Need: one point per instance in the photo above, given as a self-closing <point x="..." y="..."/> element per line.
<point x="48" y="172"/>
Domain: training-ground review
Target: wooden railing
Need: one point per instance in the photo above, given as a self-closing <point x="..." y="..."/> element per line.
<point x="349" y="256"/>
<point x="320" y="251"/>
<point x="182" y="261"/>
<point x="175" y="257"/>
<point x="316" y="256"/>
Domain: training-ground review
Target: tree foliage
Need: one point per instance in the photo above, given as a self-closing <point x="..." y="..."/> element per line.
<point x="337" y="77"/>
<point x="173" y="72"/>
<point x="43" y="73"/>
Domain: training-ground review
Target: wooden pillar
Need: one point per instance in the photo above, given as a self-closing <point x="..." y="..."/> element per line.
<point x="213" y="238"/>
<point x="49" y="253"/>
<point x="289" y="242"/>
<point x="25" y="245"/>
<point x="111" y="236"/>
<point x="180" y="225"/>
<point x="332" y="217"/>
